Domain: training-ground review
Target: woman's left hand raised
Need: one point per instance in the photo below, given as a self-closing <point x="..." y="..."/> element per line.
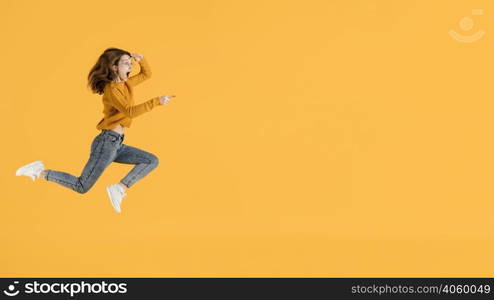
<point x="137" y="56"/>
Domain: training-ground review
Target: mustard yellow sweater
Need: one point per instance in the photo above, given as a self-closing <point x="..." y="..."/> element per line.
<point x="118" y="101"/>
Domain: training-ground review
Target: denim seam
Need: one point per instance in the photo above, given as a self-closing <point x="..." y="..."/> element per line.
<point x="97" y="161"/>
<point x="142" y="170"/>
<point x="63" y="181"/>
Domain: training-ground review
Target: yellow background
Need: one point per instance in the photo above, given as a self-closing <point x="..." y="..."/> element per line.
<point x="307" y="138"/>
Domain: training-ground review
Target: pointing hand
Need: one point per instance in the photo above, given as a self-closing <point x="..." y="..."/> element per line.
<point x="165" y="99"/>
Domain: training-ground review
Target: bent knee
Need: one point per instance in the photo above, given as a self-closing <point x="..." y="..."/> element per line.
<point x="154" y="160"/>
<point x="82" y="189"/>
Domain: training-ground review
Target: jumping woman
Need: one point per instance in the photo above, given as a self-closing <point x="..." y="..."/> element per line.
<point x="110" y="77"/>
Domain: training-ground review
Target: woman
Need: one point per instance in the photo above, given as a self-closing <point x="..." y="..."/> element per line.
<point x="110" y="77"/>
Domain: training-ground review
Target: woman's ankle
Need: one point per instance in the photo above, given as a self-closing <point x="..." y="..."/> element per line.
<point x="123" y="185"/>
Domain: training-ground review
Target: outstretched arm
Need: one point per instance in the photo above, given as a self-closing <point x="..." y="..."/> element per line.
<point x="120" y="102"/>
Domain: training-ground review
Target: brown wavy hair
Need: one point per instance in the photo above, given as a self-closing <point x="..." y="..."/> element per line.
<point x="102" y="72"/>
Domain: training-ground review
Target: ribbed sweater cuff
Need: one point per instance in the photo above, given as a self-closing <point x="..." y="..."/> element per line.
<point x="157" y="101"/>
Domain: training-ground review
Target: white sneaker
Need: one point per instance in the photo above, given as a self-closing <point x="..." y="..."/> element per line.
<point x="116" y="192"/>
<point x="32" y="170"/>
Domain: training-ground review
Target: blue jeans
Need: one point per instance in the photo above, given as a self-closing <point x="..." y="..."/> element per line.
<point x="107" y="147"/>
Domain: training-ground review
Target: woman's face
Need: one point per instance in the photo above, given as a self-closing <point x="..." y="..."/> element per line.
<point x="124" y="67"/>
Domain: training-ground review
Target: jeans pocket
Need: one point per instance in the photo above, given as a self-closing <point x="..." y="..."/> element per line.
<point x="112" y="141"/>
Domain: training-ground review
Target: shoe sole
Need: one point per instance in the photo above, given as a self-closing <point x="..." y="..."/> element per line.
<point x="116" y="208"/>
